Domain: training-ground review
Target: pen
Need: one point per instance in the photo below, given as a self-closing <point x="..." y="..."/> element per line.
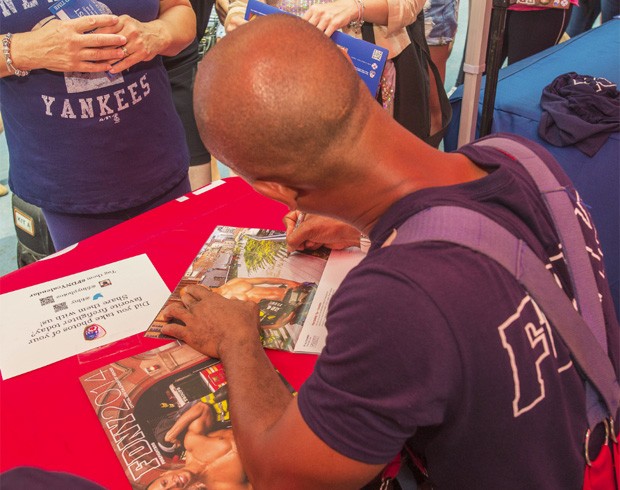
<point x="300" y="218"/>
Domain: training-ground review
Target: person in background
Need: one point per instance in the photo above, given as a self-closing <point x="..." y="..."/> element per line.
<point x="530" y="30"/>
<point x="585" y="14"/>
<point x="429" y="345"/>
<point x="92" y="132"/>
<point x="396" y="25"/>
<point x="181" y="72"/>
<point x="440" y="24"/>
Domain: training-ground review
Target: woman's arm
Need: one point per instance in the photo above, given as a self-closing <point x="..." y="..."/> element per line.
<point x="178" y="19"/>
<point x="167" y="35"/>
<point x="395" y="14"/>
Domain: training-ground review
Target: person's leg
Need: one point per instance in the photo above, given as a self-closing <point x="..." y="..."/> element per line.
<point x="182" y="84"/>
<point x="439" y="56"/>
<point x="200" y="175"/>
<point x="440" y="24"/>
<point x="609" y="9"/>
<point x="583" y="16"/>
<point x="67" y="229"/>
<point x="530" y="32"/>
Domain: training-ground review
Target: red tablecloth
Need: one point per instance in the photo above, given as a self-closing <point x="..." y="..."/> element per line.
<point x="46" y="419"/>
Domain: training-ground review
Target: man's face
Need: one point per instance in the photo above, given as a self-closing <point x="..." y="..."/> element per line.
<point x="173" y="479"/>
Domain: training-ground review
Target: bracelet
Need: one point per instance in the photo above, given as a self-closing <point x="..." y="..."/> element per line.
<point x="6" y="50"/>
<point x="357" y="24"/>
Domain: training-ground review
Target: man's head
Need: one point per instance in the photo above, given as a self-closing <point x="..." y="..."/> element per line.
<point x="278" y="100"/>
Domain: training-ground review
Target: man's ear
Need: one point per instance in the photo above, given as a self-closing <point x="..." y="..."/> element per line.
<point x="276" y="191"/>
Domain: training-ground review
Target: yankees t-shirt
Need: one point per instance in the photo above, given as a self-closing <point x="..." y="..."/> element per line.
<point x="90" y="142"/>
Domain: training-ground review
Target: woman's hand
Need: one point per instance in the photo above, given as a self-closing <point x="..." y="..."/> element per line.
<point x="69" y="45"/>
<point x="329" y="17"/>
<point x="234" y="21"/>
<point x="145" y="40"/>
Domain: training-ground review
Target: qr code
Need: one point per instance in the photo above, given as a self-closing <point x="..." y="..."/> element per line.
<point x="60" y="307"/>
<point x="377" y="54"/>
<point x="47" y="300"/>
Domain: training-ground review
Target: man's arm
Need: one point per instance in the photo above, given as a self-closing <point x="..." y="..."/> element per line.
<point x="277" y="448"/>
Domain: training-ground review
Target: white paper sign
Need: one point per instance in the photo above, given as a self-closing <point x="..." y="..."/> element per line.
<point x="51" y="321"/>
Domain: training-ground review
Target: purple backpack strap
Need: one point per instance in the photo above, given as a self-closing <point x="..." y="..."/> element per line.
<point x="562" y="210"/>
<point x="475" y="231"/>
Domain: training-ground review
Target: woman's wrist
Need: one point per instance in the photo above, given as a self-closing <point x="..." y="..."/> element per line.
<point x="357" y="17"/>
<point x="15" y="63"/>
<point x="159" y="29"/>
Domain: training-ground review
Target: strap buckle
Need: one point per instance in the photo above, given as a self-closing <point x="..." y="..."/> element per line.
<point x="609" y="434"/>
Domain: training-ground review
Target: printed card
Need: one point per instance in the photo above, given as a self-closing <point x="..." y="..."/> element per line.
<point x="367" y="58"/>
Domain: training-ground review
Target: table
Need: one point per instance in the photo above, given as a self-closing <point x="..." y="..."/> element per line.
<point x="46" y="419"/>
<point x="517" y="110"/>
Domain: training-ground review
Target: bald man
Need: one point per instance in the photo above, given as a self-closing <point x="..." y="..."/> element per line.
<point x="430" y="345"/>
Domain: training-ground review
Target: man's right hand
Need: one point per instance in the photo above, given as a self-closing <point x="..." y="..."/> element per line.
<point x="314" y="231"/>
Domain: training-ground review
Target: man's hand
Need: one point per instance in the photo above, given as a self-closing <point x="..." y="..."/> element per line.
<point x="315" y="231"/>
<point x="212" y="322"/>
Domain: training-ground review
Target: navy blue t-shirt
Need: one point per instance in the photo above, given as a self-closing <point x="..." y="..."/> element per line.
<point x="438" y="346"/>
<point x="85" y="143"/>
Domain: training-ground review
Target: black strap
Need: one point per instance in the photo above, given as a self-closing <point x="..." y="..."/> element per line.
<point x="415" y="30"/>
<point x="418" y="37"/>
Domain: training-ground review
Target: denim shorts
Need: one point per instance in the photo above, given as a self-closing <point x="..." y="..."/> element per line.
<point x="440" y="21"/>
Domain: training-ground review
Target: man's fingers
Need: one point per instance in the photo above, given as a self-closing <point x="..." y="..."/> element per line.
<point x="295" y="238"/>
<point x="176" y="312"/>
<point x="174" y="330"/>
<point x="197" y="291"/>
<point x="290" y="220"/>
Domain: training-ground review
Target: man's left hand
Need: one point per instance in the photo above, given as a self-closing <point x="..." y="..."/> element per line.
<point x="212" y="322"/>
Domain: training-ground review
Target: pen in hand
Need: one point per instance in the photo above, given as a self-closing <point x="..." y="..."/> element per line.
<point x="298" y="221"/>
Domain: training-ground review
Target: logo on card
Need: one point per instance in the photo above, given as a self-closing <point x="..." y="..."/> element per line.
<point x="377" y="54"/>
<point x="93" y="332"/>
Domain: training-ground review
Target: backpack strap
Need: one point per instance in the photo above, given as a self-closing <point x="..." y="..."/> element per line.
<point x="562" y="211"/>
<point x="473" y="230"/>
